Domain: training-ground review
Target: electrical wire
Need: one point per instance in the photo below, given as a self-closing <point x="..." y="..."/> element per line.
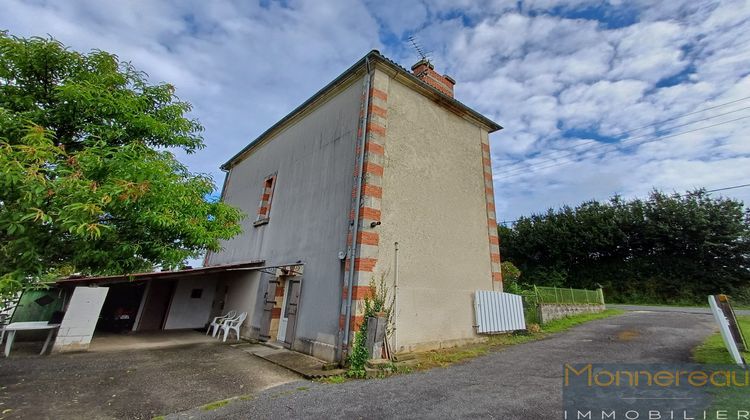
<point x="643" y="127"/>
<point x="599" y="144"/>
<point x="533" y="168"/>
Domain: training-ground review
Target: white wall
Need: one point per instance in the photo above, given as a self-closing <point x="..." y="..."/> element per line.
<point x="434" y="206"/>
<point x="80" y="319"/>
<point x="187" y="312"/>
<point x="313" y="160"/>
<point x="242" y="297"/>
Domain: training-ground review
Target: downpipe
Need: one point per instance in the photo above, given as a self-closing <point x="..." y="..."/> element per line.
<point x="355" y="230"/>
<point x="394" y="316"/>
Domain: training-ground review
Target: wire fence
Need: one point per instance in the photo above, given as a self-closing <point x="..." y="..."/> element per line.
<point x="534" y="299"/>
<point x="570" y="296"/>
<point x="530" y="308"/>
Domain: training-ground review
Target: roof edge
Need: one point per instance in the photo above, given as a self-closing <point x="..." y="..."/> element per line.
<point x="152" y="274"/>
<point x="374" y="55"/>
<point x="445" y="100"/>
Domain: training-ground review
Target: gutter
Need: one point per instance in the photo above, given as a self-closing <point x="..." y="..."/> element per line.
<point x="352" y="251"/>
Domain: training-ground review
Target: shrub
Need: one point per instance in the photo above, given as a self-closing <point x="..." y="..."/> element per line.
<point x="378" y="302"/>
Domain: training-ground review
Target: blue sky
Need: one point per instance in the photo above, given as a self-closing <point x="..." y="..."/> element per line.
<point x="583" y="88"/>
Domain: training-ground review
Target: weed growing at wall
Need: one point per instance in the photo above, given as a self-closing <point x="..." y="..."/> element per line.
<point x="378" y="302"/>
<point x="359" y="355"/>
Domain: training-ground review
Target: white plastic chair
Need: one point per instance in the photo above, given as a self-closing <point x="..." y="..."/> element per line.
<point x="216" y="323"/>
<point x="233" y="325"/>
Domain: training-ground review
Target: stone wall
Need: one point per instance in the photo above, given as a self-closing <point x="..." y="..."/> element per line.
<point x="550" y="311"/>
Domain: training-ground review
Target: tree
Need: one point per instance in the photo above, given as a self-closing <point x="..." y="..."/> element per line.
<point x="88" y="183"/>
<point x="667" y="248"/>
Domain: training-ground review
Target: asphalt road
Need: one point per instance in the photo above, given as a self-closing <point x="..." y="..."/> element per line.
<point x="520" y="382"/>
<point x="683" y="309"/>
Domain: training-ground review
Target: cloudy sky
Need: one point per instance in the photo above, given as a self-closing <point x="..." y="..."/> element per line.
<point x="596" y="97"/>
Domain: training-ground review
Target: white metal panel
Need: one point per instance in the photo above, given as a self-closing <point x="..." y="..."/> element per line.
<point x="79" y="322"/>
<point x="726" y="334"/>
<point x="498" y="312"/>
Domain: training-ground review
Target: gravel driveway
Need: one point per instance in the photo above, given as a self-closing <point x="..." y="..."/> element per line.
<point x="129" y="384"/>
<point x="521" y="382"/>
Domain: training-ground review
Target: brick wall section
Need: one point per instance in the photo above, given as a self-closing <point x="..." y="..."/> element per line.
<point x="494" y="240"/>
<point x="264" y="208"/>
<point x="426" y="71"/>
<point x="368" y="239"/>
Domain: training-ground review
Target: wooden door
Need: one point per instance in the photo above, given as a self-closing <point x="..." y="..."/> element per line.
<point x="292" y="307"/>
<point x="269" y="301"/>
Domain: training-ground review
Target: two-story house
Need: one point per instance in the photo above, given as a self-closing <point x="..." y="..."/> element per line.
<point x="381" y="174"/>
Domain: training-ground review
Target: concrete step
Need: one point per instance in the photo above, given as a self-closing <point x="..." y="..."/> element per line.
<point x="271" y="344"/>
<point x="305" y="365"/>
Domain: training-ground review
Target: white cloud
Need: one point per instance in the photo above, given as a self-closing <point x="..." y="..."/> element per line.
<point x="399" y="16"/>
<point x="242" y="66"/>
<point x="554" y="73"/>
<point x="648" y="51"/>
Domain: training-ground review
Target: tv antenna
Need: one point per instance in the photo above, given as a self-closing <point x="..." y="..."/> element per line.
<point x="422" y="54"/>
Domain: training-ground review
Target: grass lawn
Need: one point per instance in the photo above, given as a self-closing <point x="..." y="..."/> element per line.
<point x="446" y="357"/>
<point x="713" y="351"/>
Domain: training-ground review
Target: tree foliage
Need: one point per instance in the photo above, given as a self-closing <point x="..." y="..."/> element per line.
<point x="87" y="180"/>
<point x="511" y="278"/>
<point x="667" y="248"/>
<point x="511" y="273"/>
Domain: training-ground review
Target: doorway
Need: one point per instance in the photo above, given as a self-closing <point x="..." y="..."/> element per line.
<point x="120" y="307"/>
<point x="156" y="306"/>
<point x="289" y="309"/>
<point x="280" y="307"/>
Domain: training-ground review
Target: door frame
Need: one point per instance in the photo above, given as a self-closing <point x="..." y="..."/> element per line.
<point x="270" y="304"/>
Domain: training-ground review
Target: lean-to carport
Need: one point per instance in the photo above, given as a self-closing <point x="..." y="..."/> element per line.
<point x="167" y="300"/>
<point x="153" y="301"/>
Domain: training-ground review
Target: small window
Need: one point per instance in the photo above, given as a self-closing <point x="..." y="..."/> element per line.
<point x="266" y="196"/>
<point x="196" y="293"/>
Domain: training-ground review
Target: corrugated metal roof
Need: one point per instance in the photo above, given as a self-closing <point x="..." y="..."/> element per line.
<point x="159" y="274"/>
<point x="444" y="100"/>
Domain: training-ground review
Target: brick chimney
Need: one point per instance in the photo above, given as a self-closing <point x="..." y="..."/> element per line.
<point x="426" y="71"/>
